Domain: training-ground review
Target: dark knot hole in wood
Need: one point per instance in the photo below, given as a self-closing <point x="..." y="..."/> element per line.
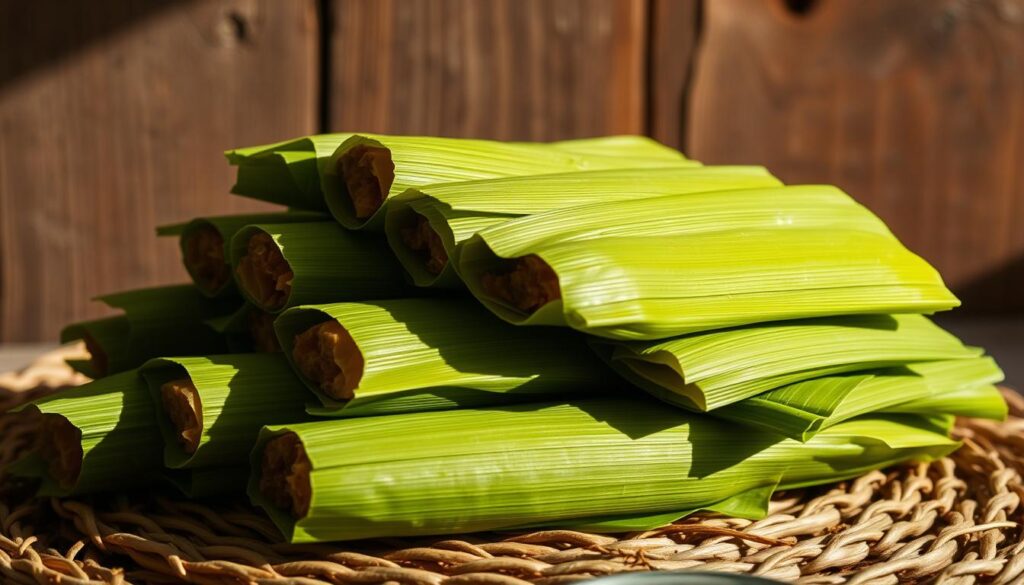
<point x="800" y="8"/>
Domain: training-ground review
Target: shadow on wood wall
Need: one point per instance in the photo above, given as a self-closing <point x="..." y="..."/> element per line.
<point x="113" y="113"/>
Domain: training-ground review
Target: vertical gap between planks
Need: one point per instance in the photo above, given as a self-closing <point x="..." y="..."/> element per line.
<point x="658" y="12"/>
<point x="325" y="29"/>
<point x="691" y="69"/>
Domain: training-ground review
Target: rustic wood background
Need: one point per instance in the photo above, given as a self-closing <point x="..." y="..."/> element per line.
<point x="113" y="113"/>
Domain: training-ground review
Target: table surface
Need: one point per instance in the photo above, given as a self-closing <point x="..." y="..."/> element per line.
<point x="1002" y="336"/>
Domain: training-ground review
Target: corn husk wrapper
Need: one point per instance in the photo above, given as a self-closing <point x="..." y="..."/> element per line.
<point x="456" y="211"/>
<point x="290" y="172"/>
<point x="329" y="263"/>
<point x="238" y="394"/>
<point x="119" y="440"/>
<point x="612" y="463"/>
<point x="227" y="226"/>
<point x="806" y="408"/>
<point x="285" y="172"/>
<point x="960" y="388"/>
<point x="429" y="160"/>
<point x="707" y="370"/>
<point x="168" y="320"/>
<point x="438" y="354"/>
<point x="673" y="265"/>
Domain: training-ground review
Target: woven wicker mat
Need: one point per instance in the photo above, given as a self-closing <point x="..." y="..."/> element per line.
<point x="954" y="521"/>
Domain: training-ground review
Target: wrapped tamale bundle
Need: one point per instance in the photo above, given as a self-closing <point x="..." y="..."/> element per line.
<point x="711" y="261"/>
<point x="285" y="265"/>
<point x="368" y="169"/>
<point x="167" y="320"/>
<point x="205" y="245"/>
<point x="97" y="437"/>
<point x="424" y="224"/>
<point x="290" y="172"/>
<point x="806" y="408"/>
<point x="710" y="369"/>
<point x="210" y="408"/>
<point x="285" y="172"/>
<point x="248" y="330"/>
<point x="571" y="464"/>
<point x="380" y="357"/>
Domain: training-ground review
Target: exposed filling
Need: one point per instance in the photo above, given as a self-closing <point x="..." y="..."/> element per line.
<point x="261" y="328"/>
<point x="204" y="258"/>
<point x="328" y="356"/>
<point x="284" y="474"/>
<point x="97" y="357"/>
<point x="59" y="443"/>
<point x="426" y="243"/>
<point x="527" y="284"/>
<point x="181" y="402"/>
<point x="264" y="273"/>
<point x="368" y="173"/>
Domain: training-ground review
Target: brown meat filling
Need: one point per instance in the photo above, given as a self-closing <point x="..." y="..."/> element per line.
<point x="204" y="259"/>
<point x="181" y="402"/>
<point x="59" y="443"/>
<point x="284" y="475"/>
<point x="328" y="356"/>
<point x="527" y="285"/>
<point x="97" y="357"/>
<point x="368" y="172"/>
<point x="426" y="243"/>
<point x="261" y="328"/>
<point x="264" y="273"/>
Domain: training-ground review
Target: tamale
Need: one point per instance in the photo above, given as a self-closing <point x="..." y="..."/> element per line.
<point x="96" y="437"/>
<point x="379" y="357"/>
<point x="284" y="265"/>
<point x="205" y="245"/>
<point x="366" y="170"/>
<point x="424" y="224"/>
<point x="210" y="408"/>
<point x="538" y="465"/>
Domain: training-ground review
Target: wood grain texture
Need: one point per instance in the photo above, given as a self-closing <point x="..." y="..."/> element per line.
<point x="915" y="107"/>
<point x="674" y="32"/>
<point x="503" y="69"/>
<point x="112" y="120"/>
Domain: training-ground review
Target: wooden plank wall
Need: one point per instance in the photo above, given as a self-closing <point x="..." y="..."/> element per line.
<point x="112" y="120"/>
<point x="915" y="107"/>
<point x="113" y="116"/>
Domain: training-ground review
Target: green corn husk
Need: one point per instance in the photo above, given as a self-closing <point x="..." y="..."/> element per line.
<point x="707" y="370"/>
<point x="329" y="264"/>
<point x="168" y="320"/>
<point x="961" y="388"/>
<point x="437" y="354"/>
<point x="456" y="211"/>
<point x="429" y="160"/>
<point x="803" y="409"/>
<point x="290" y="172"/>
<point x="285" y="172"/>
<point x="225" y="227"/>
<point x="120" y="445"/>
<point x="659" y="286"/>
<point x="603" y="463"/>
<point x="238" y="394"/>
<point x="247" y="330"/>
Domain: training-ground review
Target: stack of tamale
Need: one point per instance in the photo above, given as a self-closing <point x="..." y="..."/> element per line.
<point x="440" y="335"/>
